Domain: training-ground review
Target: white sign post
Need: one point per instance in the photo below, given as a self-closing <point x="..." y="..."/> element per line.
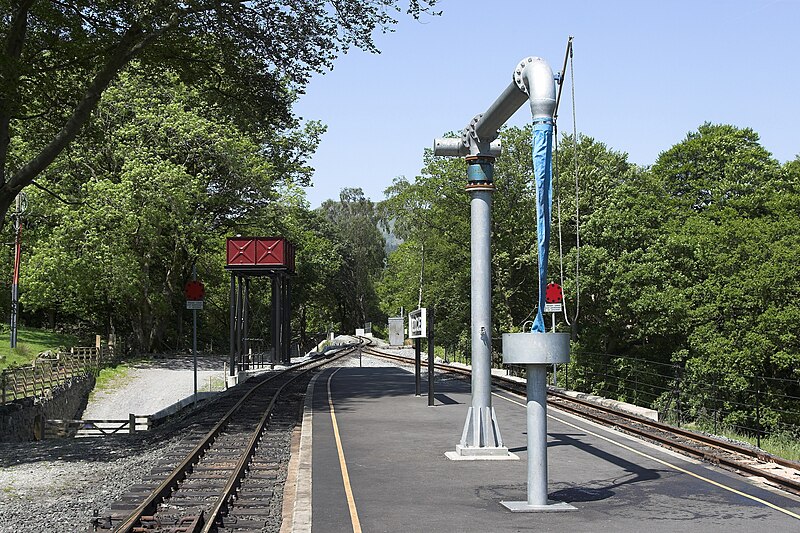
<point x="195" y="292"/>
<point x="418" y="329"/>
<point x="418" y="323"/>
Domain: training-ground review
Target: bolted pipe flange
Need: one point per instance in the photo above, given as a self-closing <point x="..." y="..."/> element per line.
<point x="535" y="79"/>
<point x="480" y="170"/>
<point x="469" y="134"/>
<point x="518" y="73"/>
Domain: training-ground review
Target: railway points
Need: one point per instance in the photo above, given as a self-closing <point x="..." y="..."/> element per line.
<point x="393" y="446"/>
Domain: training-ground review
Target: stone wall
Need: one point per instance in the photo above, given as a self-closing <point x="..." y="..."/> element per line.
<point x="23" y="420"/>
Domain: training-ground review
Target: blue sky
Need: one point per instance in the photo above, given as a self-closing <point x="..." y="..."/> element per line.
<point x="646" y="73"/>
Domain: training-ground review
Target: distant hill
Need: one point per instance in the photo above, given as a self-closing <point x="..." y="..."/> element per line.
<point x="392" y="240"/>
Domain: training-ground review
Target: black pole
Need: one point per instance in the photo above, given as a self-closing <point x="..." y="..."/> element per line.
<point x="239" y="313"/>
<point x="246" y="324"/>
<point x="281" y="326"/>
<point x="758" y="414"/>
<point x="15" y="281"/>
<point x="417" y="364"/>
<point x="275" y="319"/>
<point x="716" y="400"/>
<point x="289" y="319"/>
<point x="678" y="393"/>
<point x="431" y="372"/>
<point x="286" y="333"/>
<point x="233" y="325"/>
<point x="194" y="348"/>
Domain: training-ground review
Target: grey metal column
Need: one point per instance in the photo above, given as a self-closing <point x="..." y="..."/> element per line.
<point x="276" y="335"/>
<point x="287" y="306"/>
<point x="239" y="313"/>
<point x="233" y="326"/>
<point x="246" y="324"/>
<point x="536" y="411"/>
<point x="537" y="351"/>
<point x="481" y="435"/>
<point x="532" y="81"/>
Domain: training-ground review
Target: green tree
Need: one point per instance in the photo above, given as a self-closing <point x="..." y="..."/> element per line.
<point x="319" y="261"/>
<point x="718" y="165"/>
<point x="354" y="220"/>
<point x="431" y="216"/>
<point x="58" y="58"/>
<point x="159" y="179"/>
<point x="729" y="240"/>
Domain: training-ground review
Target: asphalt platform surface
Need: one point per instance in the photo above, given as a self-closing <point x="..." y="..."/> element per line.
<point x="394" y="445"/>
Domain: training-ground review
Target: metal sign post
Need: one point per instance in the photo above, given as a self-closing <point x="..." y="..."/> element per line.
<point x="22" y="205"/>
<point x="195" y="292"/>
<point x="417" y="365"/>
<point x="431" y="373"/>
<point x="417" y="330"/>
<point x="554" y="303"/>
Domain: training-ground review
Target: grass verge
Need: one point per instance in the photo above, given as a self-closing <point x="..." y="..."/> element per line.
<point x="111" y="377"/>
<point x="30" y="343"/>
<point x="783" y="445"/>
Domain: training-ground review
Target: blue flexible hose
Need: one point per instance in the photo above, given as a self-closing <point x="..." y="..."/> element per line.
<point x="543" y="174"/>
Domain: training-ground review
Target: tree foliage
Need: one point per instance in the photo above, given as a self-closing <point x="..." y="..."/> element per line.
<point x="58" y="58"/>
<point x="686" y="274"/>
<point x="354" y="224"/>
<point x="153" y="187"/>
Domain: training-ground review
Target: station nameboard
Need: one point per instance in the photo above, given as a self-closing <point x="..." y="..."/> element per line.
<point x="418" y="324"/>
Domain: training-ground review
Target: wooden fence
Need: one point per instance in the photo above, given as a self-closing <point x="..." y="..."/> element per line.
<point x="95" y="428"/>
<point x="48" y="372"/>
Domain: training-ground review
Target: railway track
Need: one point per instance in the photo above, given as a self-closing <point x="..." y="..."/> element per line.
<point x="775" y="470"/>
<point x="223" y="475"/>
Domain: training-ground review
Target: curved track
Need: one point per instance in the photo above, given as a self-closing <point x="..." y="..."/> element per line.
<point x="776" y="470"/>
<point x="226" y="473"/>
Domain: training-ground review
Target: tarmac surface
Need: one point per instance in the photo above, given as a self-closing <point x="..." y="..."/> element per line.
<point x="393" y="446"/>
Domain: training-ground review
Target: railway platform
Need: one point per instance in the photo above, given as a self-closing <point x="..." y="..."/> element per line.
<point x="372" y="458"/>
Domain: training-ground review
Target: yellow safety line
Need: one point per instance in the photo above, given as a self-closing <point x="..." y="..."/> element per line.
<point x="345" y="476"/>
<point x="666" y="463"/>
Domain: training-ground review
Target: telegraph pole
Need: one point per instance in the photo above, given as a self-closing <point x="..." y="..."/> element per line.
<point x="22" y="205"/>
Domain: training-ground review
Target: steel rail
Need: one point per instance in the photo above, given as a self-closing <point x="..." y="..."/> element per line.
<point x="166" y="487"/>
<point x="645" y="429"/>
<point x="235" y="479"/>
<point x="700" y="438"/>
<point x="648" y="429"/>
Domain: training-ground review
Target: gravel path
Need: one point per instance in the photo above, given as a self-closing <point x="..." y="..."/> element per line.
<point x="153" y="385"/>
<point x="50" y="486"/>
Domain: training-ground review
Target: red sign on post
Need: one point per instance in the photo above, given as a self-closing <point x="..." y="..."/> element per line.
<point x="194" y="290"/>
<point x="553" y="293"/>
<point x="553" y="298"/>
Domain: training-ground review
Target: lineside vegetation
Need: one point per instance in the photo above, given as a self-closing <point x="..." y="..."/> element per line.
<point x="689" y="271"/>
